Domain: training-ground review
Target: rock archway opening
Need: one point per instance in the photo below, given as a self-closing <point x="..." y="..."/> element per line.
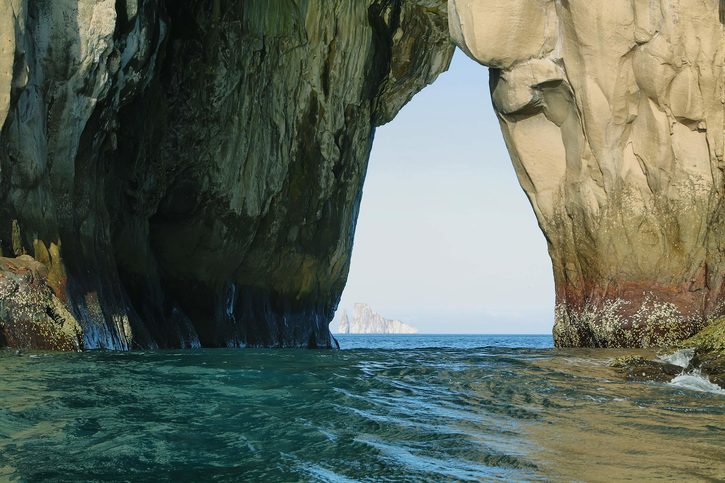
<point x="446" y="240"/>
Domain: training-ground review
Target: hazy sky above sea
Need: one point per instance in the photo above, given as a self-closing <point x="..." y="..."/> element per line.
<point x="446" y="238"/>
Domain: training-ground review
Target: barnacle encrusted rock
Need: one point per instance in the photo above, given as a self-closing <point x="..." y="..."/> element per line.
<point x="31" y="314"/>
<point x="613" y="113"/>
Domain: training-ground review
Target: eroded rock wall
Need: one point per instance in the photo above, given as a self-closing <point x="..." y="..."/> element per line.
<point x="66" y="68"/>
<point x="197" y="166"/>
<point x="613" y="112"/>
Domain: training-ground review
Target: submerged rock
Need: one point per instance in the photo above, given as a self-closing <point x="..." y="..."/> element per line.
<point x="638" y="368"/>
<point x="613" y="116"/>
<point x="702" y="355"/>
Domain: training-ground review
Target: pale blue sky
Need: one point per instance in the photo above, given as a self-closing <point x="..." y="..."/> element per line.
<point x="446" y="239"/>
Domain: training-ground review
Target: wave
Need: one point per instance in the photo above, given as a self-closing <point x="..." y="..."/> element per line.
<point x="680" y="358"/>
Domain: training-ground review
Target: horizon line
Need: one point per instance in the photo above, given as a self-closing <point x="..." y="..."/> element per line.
<point x="444" y="333"/>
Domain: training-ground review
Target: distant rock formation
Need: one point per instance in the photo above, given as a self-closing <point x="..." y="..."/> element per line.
<point x="366" y="321"/>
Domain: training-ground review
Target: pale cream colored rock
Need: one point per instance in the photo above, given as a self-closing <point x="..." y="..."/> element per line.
<point x="8" y="9"/>
<point x="366" y="321"/>
<point x="514" y="31"/>
<point x="613" y="115"/>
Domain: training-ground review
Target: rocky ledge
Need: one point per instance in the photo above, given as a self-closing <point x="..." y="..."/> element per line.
<point x="703" y="354"/>
<point x="709" y="351"/>
<point x="32" y="314"/>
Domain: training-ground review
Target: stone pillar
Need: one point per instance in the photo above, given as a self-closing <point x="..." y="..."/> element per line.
<point x="613" y="115"/>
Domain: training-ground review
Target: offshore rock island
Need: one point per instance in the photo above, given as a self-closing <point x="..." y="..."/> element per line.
<point x="366" y="321"/>
<point x="186" y="174"/>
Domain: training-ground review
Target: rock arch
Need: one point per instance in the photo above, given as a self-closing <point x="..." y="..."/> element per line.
<point x="189" y="173"/>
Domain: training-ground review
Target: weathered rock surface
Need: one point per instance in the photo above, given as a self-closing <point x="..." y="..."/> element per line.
<point x="31" y="314"/>
<point x="613" y="112"/>
<point x="637" y="368"/>
<point x="198" y="165"/>
<point x="366" y="321"/>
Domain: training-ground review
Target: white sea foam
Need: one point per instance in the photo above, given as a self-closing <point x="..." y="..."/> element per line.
<point x="697" y="382"/>
<point x="680" y="358"/>
<point x="692" y="380"/>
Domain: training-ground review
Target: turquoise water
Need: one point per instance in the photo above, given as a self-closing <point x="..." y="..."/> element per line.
<point x="385" y="408"/>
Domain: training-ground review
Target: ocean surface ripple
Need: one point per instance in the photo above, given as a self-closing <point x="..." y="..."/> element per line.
<point x="385" y="408"/>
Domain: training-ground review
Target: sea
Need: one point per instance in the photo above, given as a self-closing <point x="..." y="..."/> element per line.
<point x="388" y="408"/>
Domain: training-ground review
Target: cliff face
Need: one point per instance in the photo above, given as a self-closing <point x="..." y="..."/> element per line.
<point x="189" y="173"/>
<point x="366" y="321"/>
<point x="613" y="115"/>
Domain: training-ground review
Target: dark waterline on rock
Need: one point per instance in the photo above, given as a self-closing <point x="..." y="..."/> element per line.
<point x="424" y="408"/>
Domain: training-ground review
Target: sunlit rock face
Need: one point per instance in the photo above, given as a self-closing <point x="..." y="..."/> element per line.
<point x="613" y="114"/>
<point x="198" y="165"/>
